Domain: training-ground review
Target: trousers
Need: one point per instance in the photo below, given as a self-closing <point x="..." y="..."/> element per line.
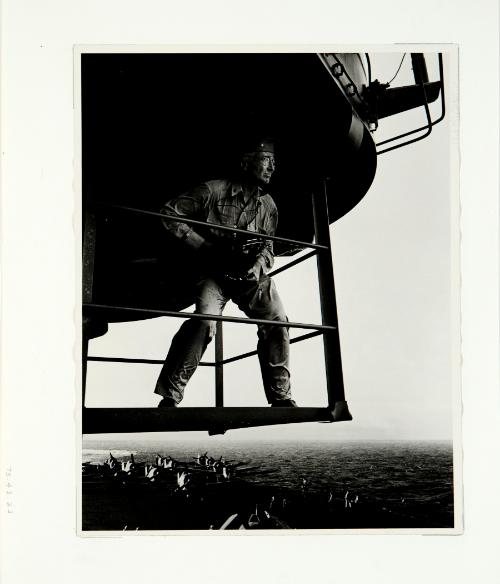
<point x="258" y="300"/>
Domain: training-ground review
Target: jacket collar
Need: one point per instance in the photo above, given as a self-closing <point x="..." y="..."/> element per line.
<point x="237" y="187"/>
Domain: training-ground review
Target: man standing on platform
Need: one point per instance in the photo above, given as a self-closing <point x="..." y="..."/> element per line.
<point x="231" y="268"/>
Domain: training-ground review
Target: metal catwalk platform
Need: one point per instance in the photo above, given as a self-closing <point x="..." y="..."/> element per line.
<point x="215" y="420"/>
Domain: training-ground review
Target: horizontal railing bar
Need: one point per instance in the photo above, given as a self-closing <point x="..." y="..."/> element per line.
<point x="202" y="363"/>
<point x="145" y="361"/>
<point x="291" y="264"/>
<point x="318" y="327"/>
<point x="252" y="234"/>
<point x="253" y="353"/>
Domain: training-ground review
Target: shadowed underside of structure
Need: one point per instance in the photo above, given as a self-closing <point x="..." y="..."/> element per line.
<point x="155" y="125"/>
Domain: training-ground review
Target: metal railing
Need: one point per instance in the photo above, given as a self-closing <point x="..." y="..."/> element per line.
<point x="328" y="328"/>
<point x="427" y="128"/>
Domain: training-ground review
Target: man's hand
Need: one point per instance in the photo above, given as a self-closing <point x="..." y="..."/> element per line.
<point x="254" y="272"/>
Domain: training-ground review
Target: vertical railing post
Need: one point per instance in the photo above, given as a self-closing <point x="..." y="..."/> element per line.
<point x="88" y="261"/>
<point x="331" y="340"/>
<point x="219" y="367"/>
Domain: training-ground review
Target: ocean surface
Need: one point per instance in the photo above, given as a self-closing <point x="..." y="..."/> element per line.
<point x="413" y="481"/>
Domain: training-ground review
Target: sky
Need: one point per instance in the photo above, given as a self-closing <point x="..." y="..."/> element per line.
<point x="393" y="274"/>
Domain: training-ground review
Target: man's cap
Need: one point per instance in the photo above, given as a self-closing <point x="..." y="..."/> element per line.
<point x="259" y="145"/>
